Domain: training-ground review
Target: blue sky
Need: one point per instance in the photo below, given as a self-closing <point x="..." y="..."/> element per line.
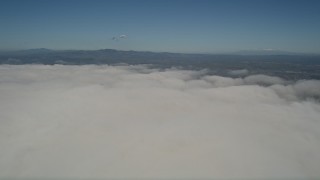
<point x="164" y="25"/>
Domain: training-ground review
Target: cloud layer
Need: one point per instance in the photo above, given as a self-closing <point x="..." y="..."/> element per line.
<point x="138" y="122"/>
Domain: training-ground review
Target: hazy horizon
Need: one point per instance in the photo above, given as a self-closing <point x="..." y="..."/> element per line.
<point x="239" y="52"/>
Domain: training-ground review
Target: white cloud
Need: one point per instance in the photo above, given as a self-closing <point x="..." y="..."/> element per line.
<point x="137" y="122"/>
<point x="123" y="36"/>
<point x="117" y="38"/>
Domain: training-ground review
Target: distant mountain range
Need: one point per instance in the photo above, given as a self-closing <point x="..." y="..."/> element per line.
<point x="111" y="56"/>
<point x="267" y="52"/>
<point x="242" y="52"/>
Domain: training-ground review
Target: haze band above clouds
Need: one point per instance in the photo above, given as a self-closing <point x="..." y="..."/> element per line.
<point x="139" y="122"/>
